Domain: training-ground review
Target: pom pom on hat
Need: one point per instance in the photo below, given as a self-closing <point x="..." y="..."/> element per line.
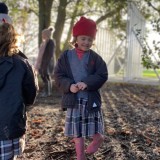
<point x="85" y="27"/>
<point x="48" y="32"/>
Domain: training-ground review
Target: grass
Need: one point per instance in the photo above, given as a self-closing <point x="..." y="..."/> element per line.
<point x="150" y="73"/>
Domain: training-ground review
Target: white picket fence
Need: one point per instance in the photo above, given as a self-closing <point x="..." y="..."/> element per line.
<point x="124" y="57"/>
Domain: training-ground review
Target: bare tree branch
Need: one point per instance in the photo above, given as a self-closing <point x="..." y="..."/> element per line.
<point x="151" y="5"/>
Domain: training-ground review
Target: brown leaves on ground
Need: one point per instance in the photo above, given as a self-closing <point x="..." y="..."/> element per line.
<point x="132" y="126"/>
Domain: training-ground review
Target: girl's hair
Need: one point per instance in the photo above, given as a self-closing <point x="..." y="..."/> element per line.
<point x="8" y="40"/>
<point x="72" y="43"/>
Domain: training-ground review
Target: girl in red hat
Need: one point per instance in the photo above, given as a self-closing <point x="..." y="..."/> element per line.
<point x="79" y="74"/>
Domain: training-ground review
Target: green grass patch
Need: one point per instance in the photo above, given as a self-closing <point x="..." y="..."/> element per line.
<point x="150" y="73"/>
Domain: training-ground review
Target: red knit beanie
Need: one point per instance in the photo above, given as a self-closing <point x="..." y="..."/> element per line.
<point x="85" y="27"/>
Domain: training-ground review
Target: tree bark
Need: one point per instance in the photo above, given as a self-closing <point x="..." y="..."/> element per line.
<point x="45" y="7"/>
<point x="59" y="25"/>
<point x="71" y="25"/>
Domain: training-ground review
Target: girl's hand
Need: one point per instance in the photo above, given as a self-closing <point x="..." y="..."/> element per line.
<point x="74" y="88"/>
<point x="81" y="85"/>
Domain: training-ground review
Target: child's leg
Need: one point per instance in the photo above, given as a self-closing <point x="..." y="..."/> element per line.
<point x="95" y="144"/>
<point x="79" y="146"/>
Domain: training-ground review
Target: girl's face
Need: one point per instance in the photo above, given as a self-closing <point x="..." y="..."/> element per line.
<point x="84" y="42"/>
<point x="44" y="37"/>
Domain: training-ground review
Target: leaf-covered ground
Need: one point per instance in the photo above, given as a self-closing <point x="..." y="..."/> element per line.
<point x="132" y="126"/>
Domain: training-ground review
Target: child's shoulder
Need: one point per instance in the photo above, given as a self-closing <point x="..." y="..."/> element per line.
<point x="95" y="56"/>
<point x="67" y="51"/>
<point x="94" y="53"/>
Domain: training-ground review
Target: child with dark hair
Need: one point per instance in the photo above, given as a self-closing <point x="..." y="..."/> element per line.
<point x="18" y="89"/>
<point x="79" y="74"/>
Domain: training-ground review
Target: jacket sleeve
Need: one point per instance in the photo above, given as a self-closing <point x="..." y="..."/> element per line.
<point x="62" y="74"/>
<point x="98" y="75"/>
<point x="30" y="85"/>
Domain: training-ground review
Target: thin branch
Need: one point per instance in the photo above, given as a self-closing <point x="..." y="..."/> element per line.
<point x="151" y="5"/>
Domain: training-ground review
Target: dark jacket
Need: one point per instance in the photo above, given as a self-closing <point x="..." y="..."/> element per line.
<point x="47" y="63"/>
<point x="97" y="76"/>
<point x="18" y="89"/>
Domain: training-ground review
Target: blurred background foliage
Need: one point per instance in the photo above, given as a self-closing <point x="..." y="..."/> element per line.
<point x="30" y="17"/>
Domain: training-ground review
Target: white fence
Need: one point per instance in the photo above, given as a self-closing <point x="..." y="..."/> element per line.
<point x="135" y="23"/>
<point x="123" y="57"/>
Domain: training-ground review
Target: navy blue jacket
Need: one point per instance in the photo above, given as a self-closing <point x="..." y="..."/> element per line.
<point x="18" y="88"/>
<point x="97" y="76"/>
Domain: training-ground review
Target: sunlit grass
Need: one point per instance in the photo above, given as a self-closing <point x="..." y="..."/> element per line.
<point x="150" y="73"/>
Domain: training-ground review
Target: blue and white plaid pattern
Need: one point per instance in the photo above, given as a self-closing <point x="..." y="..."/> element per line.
<point x="81" y="123"/>
<point x="11" y="148"/>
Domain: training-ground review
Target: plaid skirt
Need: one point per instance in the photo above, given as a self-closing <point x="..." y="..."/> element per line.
<point x="80" y="123"/>
<point x="11" y="148"/>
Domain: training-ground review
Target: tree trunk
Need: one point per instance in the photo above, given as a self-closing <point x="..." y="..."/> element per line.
<point x="59" y="25"/>
<point x="45" y="7"/>
<point x="71" y="25"/>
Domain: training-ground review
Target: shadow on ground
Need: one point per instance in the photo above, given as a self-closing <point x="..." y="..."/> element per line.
<point x="132" y="126"/>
